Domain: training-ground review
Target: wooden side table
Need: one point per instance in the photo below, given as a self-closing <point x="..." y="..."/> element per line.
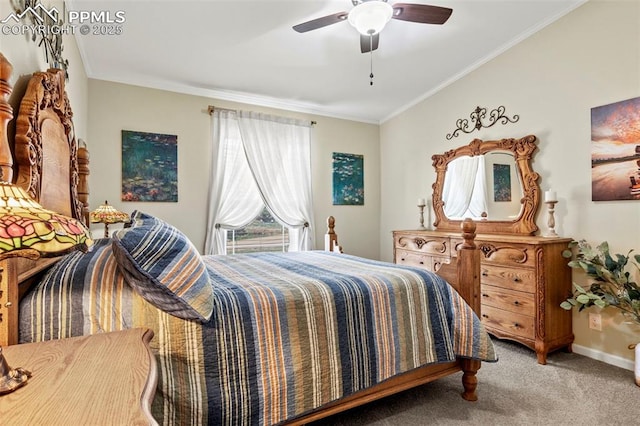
<point x="105" y="378"/>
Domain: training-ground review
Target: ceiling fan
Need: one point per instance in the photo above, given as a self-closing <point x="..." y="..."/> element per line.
<point x="370" y="16"/>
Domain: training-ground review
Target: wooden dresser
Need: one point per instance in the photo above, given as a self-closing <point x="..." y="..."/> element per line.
<point x="524" y="280"/>
<point x="102" y="379"/>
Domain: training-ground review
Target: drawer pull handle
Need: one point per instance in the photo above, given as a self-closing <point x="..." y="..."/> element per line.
<point x="485" y="295"/>
<point x="485" y="316"/>
<point x="516" y="325"/>
<point x="516" y="280"/>
<point x="402" y="259"/>
<point x="484" y="274"/>
<point x="421" y="262"/>
<point x="516" y="303"/>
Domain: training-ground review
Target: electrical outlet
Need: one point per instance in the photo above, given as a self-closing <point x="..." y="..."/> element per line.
<point x="595" y="321"/>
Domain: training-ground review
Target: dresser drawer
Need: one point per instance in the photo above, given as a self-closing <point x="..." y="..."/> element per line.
<point x="413" y="258"/>
<point x="509" y="278"/>
<point x="513" y="301"/>
<point x="437" y="246"/>
<point x="508" y="322"/>
<point x="506" y="254"/>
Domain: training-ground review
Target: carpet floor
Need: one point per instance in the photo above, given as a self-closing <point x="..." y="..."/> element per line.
<point x="571" y="389"/>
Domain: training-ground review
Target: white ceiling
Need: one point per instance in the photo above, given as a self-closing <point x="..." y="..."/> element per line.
<point x="246" y="51"/>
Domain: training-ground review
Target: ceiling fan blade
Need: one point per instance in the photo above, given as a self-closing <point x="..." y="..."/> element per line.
<point x="314" y="24"/>
<point x="368" y="45"/>
<point x="421" y="13"/>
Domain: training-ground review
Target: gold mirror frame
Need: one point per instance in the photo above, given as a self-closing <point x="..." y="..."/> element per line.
<point x="522" y="150"/>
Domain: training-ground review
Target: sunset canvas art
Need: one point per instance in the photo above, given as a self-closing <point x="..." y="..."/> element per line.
<point x="615" y="151"/>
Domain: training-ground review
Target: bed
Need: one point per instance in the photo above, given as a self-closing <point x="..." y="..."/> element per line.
<point x="266" y="338"/>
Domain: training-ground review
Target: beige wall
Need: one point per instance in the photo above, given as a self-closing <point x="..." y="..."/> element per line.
<point x="588" y="58"/>
<point x="114" y="107"/>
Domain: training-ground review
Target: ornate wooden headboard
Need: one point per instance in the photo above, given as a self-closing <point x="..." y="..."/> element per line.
<point x="46" y="161"/>
<point x="46" y="150"/>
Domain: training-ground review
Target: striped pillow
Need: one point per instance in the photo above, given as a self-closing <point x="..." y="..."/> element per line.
<point x="58" y="300"/>
<point x="164" y="267"/>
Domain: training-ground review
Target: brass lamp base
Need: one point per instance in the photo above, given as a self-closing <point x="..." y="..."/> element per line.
<point x="10" y="378"/>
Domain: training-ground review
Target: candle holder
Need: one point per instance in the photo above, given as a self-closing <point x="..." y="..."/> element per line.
<point x="421" y="209"/>
<point x="551" y="221"/>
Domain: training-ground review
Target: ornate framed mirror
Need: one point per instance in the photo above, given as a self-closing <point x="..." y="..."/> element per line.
<point x="490" y="181"/>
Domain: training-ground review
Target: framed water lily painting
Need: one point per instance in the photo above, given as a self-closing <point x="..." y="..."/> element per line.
<point x="348" y="179"/>
<point x="149" y="166"/>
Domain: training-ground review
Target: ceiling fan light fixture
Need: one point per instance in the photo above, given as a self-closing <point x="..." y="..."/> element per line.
<point x="370" y="17"/>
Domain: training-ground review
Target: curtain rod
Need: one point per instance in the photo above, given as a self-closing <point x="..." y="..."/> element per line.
<point x="212" y="108"/>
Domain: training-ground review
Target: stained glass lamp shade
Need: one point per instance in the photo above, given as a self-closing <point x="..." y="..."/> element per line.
<point x="29" y="230"/>
<point x="108" y="215"/>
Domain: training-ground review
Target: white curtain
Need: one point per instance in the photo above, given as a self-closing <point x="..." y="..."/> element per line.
<point x="279" y="155"/>
<point x="478" y="204"/>
<point x="464" y="189"/>
<point x="234" y="199"/>
<point x="274" y="164"/>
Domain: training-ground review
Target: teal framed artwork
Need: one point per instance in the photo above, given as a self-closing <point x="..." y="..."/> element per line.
<point x="501" y="182"/>
<point x="149" y="166"/>
<point x="348" y="179"/>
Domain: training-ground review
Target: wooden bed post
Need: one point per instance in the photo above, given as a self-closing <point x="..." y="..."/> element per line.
<point x="469" y="266"/>
<point x="469" y="288"/>
<point x="6" y="115"/>
<point x="331" y="238"/>
<point x="8" y="292"/>
<point x="83" y="181"/>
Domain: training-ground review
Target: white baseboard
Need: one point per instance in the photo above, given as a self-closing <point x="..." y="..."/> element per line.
<point x="618" y="361"/>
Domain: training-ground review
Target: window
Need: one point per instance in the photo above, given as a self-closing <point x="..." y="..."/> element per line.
<point x="259" y="160"/>
<point x="263" y="234"/>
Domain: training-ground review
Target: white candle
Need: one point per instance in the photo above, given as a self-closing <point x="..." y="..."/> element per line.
<point x="550" y="196"/>
<point x="421" y="202"/>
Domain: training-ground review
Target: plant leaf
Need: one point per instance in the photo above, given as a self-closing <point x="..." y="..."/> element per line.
<point x="583" y="298"/>
<point x="579" y="288"/>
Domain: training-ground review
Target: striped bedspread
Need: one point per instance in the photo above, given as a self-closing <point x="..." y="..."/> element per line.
<point x="289" y="333"/>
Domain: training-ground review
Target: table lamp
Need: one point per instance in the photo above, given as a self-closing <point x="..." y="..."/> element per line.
<point x="108" y="215"/>
<point x="29" y="230"/>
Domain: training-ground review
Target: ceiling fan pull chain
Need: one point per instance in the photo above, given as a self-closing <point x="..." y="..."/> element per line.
<point x="371" y="58"/>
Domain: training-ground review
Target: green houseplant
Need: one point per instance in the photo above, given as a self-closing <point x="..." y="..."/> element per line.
<point x="612" y="284"/>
